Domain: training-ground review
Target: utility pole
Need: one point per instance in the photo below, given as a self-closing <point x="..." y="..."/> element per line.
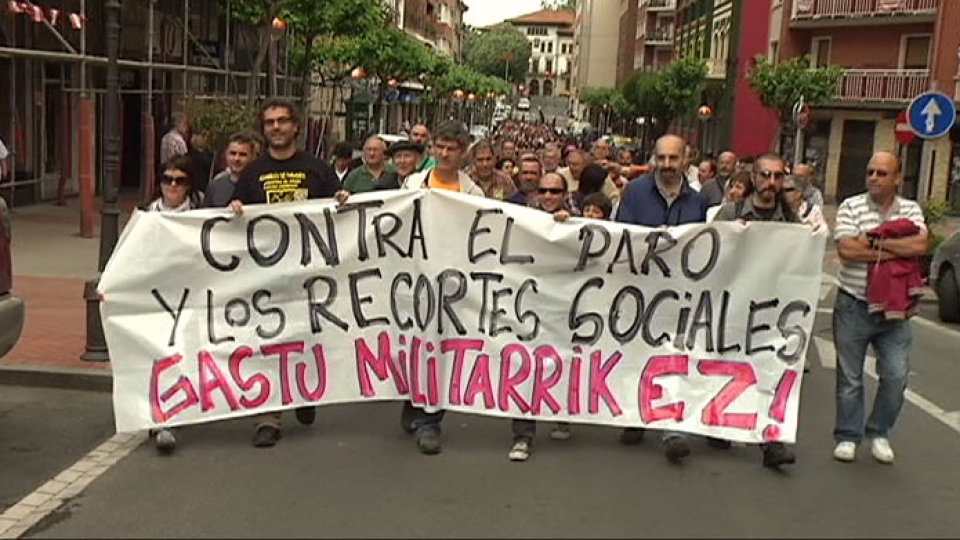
<point x="96" y="347"/>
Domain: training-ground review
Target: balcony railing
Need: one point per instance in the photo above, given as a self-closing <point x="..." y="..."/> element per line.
<point x="659" y="36"/>
<point x="883" y="85"/>
<point x="658" y="5"/>
<point x="804" y="10"/>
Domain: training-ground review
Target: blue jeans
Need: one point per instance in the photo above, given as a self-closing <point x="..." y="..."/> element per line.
<point x="854" y="328"/>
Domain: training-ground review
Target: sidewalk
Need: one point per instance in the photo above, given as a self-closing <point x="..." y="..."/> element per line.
<point x="51" y="263"/>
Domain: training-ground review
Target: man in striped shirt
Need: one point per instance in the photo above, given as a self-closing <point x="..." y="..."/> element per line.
<point x="854" y="328"/>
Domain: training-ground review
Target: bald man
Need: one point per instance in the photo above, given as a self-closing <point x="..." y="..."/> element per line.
<point x="726" y="166"/>
<point x="856" y="326"/>
<point x="656" y="199"/>
<point x="420" y="134"/>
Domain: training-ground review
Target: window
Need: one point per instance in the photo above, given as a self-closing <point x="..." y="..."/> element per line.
<point x="820" y="51"/>
<point x="549" y="47"/>
<point x="549" y="66"/>
<point x="915" y="52"/>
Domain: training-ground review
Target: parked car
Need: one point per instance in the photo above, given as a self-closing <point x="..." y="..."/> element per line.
<point x="945" y="278"/>
<point x="523" y="104"/>
<point x="11" y="308"/>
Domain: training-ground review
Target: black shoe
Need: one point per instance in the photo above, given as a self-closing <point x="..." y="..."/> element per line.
<point x="306" y="415"/>
<point x="776" y="454"/>
<point x="429" y="443"/>
<point x="631" y="436"/>
<point x="407" y="415"/>
<point x="675" y="449"/>
<point x="719" y="444"/>
<point x="266" y="436"/>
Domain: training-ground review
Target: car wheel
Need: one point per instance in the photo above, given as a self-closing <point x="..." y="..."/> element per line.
<point x="948" y="297"/>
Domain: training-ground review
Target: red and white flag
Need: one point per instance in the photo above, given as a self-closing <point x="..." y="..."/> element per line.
<point x="36" y="13"/>
<point x="54" y="15"/>
<point x="76" y="21"/>
<point x="14" y="7"/>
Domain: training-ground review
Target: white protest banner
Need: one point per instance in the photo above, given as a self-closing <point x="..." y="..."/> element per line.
<point x="460" y="303"/>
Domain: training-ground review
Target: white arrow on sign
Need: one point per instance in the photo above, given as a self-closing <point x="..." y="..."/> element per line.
<point x="931" y="110"/>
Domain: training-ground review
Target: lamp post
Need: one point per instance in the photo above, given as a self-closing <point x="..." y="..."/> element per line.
<point x="96" y="346"/>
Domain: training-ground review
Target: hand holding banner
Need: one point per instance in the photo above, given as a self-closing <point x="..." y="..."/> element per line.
<point x="461" y="303"/>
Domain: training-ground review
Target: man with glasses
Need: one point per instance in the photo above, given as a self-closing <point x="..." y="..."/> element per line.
<point x="765" y="204"/>
<point x="657" y="199"/>
<point x="855" y="327"/>
<point x="282" y="174"/>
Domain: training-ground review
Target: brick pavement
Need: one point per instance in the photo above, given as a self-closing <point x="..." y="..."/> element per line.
<point x="51" y="264"/>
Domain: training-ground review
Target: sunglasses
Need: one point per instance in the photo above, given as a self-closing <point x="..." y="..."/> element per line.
<point x="878" y="172"/>
<point x="766" y="175"/>
<point x="169" y="179"/>
<point x="552" y="191"/>
<point x="789" y="190"/>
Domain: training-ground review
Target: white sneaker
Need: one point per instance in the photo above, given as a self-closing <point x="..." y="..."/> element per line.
<point x="882" y="451"/>
<point x="520" y="451"/>
<point x="845" y="451"/>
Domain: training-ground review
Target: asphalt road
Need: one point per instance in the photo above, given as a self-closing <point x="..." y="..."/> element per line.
<point x="355" y="474"/>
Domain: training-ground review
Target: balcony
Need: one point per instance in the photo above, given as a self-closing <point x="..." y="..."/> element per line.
<point x="821" y="13"/>
<point x="659" y="5"/>
<point x="716" y="68"/>
<point x="659" y="37"/>
<point x="895" y="86"/>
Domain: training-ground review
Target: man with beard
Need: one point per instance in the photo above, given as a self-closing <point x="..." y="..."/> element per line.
<point x="495" y="184"/>
<point x="528" y="179"/>
<point x="282" y="174"/>
<point x="657" y="199"/>
<point x="766" y="204"/>
<point x="551" y="157"/>
<point x="419" y="134"/>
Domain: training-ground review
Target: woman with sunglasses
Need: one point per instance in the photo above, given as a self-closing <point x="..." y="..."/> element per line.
<point x="175" y="193"/>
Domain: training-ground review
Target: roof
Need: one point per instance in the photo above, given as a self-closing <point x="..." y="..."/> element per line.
<point x="547" y="17"/>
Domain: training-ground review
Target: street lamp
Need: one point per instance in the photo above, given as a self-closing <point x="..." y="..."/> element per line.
<point x="96" y="346"/>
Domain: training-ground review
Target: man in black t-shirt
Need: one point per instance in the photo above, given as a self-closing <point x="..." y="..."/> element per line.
<point x="282" y="174"/>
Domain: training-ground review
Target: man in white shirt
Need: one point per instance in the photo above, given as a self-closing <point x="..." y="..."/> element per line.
<point x="855" y="327"/>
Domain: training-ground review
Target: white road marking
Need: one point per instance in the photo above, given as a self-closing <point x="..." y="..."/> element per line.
<point x="828" y="357"/>
<point x="46" y="499"/>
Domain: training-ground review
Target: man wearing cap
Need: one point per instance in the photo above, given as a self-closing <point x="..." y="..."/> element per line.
<point x="406" y="156"/>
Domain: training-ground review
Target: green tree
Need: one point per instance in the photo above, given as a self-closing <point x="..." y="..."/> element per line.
<point x="559" y="5"/>
<point x="497" y="52"/>
<point x="642" y="93"/>
<point x="306" y="22"/>
<point x="780" y="86"/>
<point x="680" y="86"/>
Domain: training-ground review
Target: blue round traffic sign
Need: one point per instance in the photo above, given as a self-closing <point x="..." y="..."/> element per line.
<point x="931" y="115"/>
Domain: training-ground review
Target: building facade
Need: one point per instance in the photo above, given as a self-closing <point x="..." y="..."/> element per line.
<point x="728" y="37"/>
<point x="53" y="76"/>
<point x="596" y="40"/>
<point x="890" y="51"/>
<point x="436" y="23"/>
<point x="551" y="43"/>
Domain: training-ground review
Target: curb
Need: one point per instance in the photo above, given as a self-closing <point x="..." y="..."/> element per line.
<point x="62" y="378"/>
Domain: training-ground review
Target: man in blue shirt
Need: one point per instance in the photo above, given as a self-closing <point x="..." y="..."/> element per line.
<point x="663" y="198"/>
